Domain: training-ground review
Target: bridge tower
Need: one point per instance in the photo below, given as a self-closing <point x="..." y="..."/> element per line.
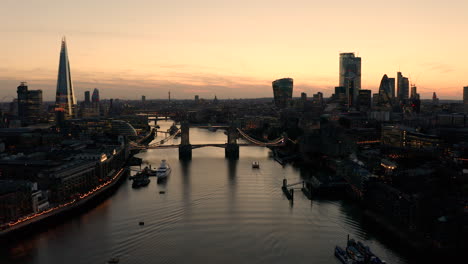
<point x="232" y="148"/>
<point x="185" y="148"/>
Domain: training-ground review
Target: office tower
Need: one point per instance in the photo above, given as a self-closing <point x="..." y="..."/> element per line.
<point x="391" y="82"/>
<point x="95" y="96"/>
<point x="65" y="98"/>
<point x="303" y="96"/>
<point x="364" y="100"/>
<point x="143" y="98"/>
<point x="402" y="87"/>
<point x="29" y="104"/>
<point x="385" y="90"/>
<point x="87" y="98"/>
<point x="22" y="100"/>
<point x="282" y="92"/>
<point x="465" y="95"/>
<point x="197" y="99"/>
<point x="350" y="75"/>
<point x="414" y="92"/>
<point x="318" y="98"/>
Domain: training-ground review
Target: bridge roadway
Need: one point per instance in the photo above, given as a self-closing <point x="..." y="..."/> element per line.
<point x="195" y="146"/>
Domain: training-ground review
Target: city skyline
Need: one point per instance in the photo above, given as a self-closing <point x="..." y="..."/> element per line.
<point x="137" y="48"/>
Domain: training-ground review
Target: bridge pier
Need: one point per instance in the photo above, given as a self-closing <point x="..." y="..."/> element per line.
<point x="232" y="148"/>
<point x="231" y="151"/>
<point x="185" y="152"/>
<point x="185" y="148"/>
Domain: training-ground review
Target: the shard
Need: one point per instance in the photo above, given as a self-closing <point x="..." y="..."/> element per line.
<point x="65" y="98"/>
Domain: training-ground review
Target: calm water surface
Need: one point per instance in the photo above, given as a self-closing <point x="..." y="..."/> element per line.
<point x="213" y="211"/>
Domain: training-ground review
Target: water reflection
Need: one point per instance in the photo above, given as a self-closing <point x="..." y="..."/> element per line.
<point x="213" y="210"/>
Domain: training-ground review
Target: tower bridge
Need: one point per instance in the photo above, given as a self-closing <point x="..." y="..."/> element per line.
<point x="231" y="147"/>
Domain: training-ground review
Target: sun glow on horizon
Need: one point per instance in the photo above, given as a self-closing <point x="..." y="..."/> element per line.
<point x="230" y="49"/>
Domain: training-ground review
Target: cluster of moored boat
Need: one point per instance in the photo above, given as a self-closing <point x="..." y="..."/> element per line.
<point x="142" y="177"/>
<point x="356" y="253"/>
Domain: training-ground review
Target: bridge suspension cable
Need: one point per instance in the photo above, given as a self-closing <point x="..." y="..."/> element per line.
<point x="257" y="142"/>
<point x="136" y="145"/>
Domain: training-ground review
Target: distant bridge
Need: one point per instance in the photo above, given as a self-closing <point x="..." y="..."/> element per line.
<point x="195" y="146"/>
<point x="232" y="147"/>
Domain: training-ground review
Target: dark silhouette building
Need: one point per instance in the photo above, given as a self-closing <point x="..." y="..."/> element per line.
<point x="95" y="96"/>
<point x="364" y="100"/>
<point x="465" y="95"/>
<point x="402" y="87"/>
<point x="386" y="89"/>
<point x="282" y="92"/>
<point x="29" y="104"/>
<point x="350" y="76"/>
<point x="87" y="98"/>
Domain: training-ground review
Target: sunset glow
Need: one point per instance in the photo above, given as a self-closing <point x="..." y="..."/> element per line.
<point x="233" y="49"/>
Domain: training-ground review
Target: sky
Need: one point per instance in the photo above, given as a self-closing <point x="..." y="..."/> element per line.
<point x="232" y="49"/>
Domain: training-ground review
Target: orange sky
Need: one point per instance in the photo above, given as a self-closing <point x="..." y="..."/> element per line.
<point x="233" y="49"/>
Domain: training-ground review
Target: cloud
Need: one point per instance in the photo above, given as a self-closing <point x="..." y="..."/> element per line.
<point x="438" y="67"/>
<point x="129" y="84"/>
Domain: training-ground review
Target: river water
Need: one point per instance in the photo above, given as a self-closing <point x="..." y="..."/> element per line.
<point x="213" y="211"/>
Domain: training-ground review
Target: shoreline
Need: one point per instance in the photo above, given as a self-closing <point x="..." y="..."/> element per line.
<point x="65" y="210"/>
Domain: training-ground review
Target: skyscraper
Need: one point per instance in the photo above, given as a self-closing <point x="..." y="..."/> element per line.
<point x="65" y="97"/>
<point x="29" y="104"/>
<point x="282" y="91"/>
<point x="385" y="90"/>
<point x="402" y="87"/>
<point x="95" y="96"/>
<point x="350" y="75"/>
<point x="465" y="95"/>
<point x="87" y="98"/>
<point x="391" y="82"/>
<point x="414" y="92"/>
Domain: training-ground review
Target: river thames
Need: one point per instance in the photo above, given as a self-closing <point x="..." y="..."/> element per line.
<point x="213" y="211"/>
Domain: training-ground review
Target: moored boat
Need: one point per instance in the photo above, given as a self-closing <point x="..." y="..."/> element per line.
<point x="164" y="170"/>
<point x="140" y="180"/>
<point x="356" y="253"/>
<point x="342" y="256"/>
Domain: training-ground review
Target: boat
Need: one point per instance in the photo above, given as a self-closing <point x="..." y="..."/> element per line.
<point x="113" y="261"/>
<point x="342" y="256"/>
<point x="255" y="165"/>
<point x="211" y="128"/>
<point x="148" y="171"/>
<point x="140" y="180"/>
<point x="366" y="252"/>
<point x="356" y="253"/>
<point x="164" y="170"/>
<point x="173" y="129"/>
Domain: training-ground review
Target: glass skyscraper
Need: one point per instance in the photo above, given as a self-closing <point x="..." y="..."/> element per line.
<point x="350" y="76"/>
<point x="282" y="92"/>
<point x="402" y="87"/>
<point x="65" y="97"/>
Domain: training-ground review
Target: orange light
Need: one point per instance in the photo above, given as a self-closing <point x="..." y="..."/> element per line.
<point x="32" y="216"/>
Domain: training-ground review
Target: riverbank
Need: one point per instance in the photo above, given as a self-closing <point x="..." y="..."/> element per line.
<point x="63" y="211"/>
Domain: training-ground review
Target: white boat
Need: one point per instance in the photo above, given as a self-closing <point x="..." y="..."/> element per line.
<point x="164" y="170"/>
